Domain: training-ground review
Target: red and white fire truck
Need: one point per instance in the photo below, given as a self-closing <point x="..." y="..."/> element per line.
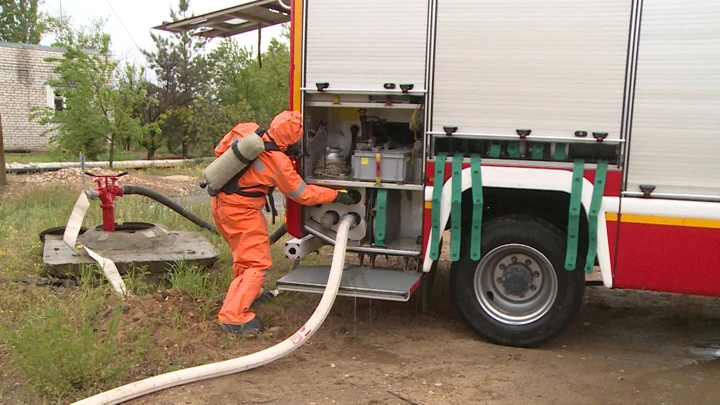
<point x="542" y="140"/>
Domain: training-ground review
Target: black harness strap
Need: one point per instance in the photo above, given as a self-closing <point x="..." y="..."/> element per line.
<point x="231" y="187"/>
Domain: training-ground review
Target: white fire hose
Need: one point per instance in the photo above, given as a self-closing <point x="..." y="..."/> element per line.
<point x="219" y="369"/>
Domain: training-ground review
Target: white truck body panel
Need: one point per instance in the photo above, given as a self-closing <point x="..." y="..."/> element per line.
<point x="675" y="137"/>
<point x="364" y="44"/>
<point x="555" y="67"/>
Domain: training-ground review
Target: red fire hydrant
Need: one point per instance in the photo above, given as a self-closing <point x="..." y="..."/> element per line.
<point x="106" y="194"/>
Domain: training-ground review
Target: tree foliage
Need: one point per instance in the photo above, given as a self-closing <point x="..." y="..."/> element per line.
<point x="205" y="93"/>
<point x="195" y="97"/>
<point x="91" y="36"/>
<point x="177" y="64"/>
<point x="21" y="21"/>
<point x="101" y="99"/>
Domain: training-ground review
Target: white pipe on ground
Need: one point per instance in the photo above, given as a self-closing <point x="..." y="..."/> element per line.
<point x="207" y="371"/>
<point x="123" y="164"/>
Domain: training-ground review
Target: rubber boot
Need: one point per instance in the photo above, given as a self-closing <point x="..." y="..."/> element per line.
<point x="250" y="328"/>
<point x="265" y="297"/>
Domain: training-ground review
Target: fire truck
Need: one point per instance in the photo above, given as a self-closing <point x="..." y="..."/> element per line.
<point x="539" y="141"/>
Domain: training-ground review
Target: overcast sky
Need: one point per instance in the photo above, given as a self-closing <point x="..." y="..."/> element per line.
<point x="139" y="16"/>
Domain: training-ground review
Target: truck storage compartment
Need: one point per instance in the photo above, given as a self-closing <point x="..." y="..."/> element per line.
<point x="361" y="45"/>
<point x="553" y="67"/>
<point x="674" y="142"/>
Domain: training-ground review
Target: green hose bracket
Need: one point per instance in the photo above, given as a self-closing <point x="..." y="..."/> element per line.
<point x="595" y="204"/>
<point x="559" y="151"/>
<point x="494" y="150"/>
<point x="380" y="217"/>
<point x="456" y="206"/>
<point x="538" y="149"/>
<point x="438" y="182"/>
<point x="513" y="149"/>
<point x="574" y="214"/>
<point x="477" y="194"/>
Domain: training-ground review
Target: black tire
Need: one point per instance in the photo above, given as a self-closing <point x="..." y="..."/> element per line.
<point x="532" y="311"/>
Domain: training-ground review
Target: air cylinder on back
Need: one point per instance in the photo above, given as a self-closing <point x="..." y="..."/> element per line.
<point x="236" y="158"/>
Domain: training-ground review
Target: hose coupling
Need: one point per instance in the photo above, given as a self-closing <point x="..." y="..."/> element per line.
<point x="329" y="219"/>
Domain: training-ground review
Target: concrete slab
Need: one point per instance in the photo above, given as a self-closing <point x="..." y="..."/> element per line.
<point x="156" y="248"/>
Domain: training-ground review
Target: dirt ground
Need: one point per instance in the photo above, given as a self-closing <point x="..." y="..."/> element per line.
<point x="624" y="347"/>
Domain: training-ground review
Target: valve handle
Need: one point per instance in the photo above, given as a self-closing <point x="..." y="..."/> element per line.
<point x="106" y="175"/>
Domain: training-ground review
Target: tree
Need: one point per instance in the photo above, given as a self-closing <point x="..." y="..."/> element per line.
<point x="99" y="111"/>
<point x="21" y="21"/>
<point x="91" y="36"/>
<point x="238" y="77"/>
<point x="176" y="62"/>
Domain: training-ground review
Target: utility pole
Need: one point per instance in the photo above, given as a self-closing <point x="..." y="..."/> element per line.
<point x="3" y="178"/>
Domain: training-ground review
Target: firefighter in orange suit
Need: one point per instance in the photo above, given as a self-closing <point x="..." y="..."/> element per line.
<point x="240" y="220"/>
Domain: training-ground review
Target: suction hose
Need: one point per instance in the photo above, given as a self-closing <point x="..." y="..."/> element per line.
<point x="168" y="203"/>
<point x="279" y="233"/>
<point x="180" y="377"/>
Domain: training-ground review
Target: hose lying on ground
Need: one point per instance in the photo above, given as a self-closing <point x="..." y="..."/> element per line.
<point x="168" y="203"/>
<point x="180" y="377"/>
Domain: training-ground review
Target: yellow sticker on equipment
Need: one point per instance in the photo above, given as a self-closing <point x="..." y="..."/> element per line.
<point x="364" y="161"/>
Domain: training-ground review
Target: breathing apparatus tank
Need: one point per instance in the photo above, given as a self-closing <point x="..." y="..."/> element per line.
<point x="241" y="154"/>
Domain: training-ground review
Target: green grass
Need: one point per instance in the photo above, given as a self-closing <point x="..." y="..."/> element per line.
<point x="193" y="280"/>
<point x="65" y="344"/>
<point x="69" y="344"/>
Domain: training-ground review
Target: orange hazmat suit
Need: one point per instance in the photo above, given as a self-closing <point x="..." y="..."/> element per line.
<point x="240" y="220"/>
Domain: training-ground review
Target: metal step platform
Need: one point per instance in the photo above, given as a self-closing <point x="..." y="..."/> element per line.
<point x="363" y="282"/>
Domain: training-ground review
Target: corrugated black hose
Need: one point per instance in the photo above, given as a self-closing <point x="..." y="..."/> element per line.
<point x="279" y="233"/>
<point x="168" y="203"/>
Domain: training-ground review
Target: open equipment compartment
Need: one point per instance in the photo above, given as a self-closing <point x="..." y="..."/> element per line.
<point x="372" y="144"/>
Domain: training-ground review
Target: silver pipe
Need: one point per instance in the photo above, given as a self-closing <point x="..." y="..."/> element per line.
<point x="392" y="252"/>
<point x="283" y="5"/>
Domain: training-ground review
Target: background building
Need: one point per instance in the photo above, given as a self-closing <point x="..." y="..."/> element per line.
<point x="24" y="76"/>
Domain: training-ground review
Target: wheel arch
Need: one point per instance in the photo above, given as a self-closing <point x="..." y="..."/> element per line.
<point x="523" y="188"/>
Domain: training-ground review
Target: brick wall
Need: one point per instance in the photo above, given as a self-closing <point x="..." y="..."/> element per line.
<point x="23" y="84"/>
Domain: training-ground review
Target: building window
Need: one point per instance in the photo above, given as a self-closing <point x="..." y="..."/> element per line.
<point x="55" y="99"/>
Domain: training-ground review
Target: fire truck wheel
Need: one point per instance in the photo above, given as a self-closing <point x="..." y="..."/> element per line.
<point x="519" y="293"/>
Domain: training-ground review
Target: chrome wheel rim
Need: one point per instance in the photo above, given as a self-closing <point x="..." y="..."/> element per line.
<point x="515" y="284"/>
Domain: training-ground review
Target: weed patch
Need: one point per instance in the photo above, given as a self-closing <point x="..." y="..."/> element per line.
<point x="192" y="280"/>
<point x="69" y="343"/>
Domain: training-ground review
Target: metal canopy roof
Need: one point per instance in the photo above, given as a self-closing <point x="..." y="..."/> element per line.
<point x="232" y="20"/>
